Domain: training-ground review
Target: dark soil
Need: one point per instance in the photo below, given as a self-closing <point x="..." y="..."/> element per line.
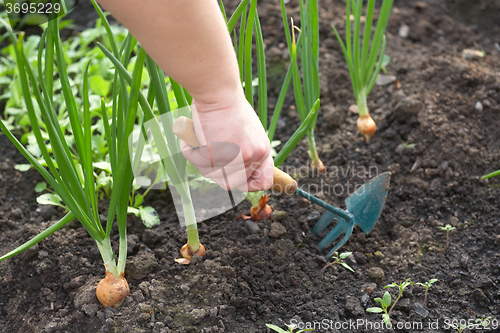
<point x="431" y="136"/>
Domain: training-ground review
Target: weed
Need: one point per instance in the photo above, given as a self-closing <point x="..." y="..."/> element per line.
<point x="447" y="228"/>
<point x="339" y="259"/>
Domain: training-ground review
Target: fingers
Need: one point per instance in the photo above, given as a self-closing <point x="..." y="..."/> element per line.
<point x="230" y="174"/>
<point x="262" y="178"/>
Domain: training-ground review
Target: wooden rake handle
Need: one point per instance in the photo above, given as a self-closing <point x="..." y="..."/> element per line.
<point x="184" y="129"/>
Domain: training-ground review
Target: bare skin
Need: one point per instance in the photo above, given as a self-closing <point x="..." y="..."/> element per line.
<point x="190" y="42"/>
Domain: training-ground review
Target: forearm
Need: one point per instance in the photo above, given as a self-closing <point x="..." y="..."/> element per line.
<point x="188" y="40"/>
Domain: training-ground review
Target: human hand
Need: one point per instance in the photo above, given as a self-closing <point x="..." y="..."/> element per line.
<point x="235" y="150"/>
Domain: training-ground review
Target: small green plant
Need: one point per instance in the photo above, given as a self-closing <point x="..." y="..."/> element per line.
<point x="385" y="302"/>
<point x="361" y="55"/>
<point x="339" y="259"/>
<point x="483" y="322"/>
<point x="291" y="329"/>
<point x="459" y="328"/>
<point x="385" y="62"/>
<point x="447" y="228"/>
<point x="401" y="287"/>
<point x="427" y="285"/>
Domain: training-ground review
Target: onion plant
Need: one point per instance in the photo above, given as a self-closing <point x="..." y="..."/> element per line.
<point x="76" y="186"/>
<point x="249" y="27"/>
<point x="307" y="91"/>
<point x="174" y="164"/>
<point x="364" y="56"/>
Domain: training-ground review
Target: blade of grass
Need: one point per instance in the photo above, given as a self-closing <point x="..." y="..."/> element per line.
<point x="297" y="86"/>
<point x="237" y="14"/>
<point x="41" y="236"/>
<point x="241" y="42"/>
<point x="375" y="73"/>
<point x="248" y="52"/>
<point x="179" y="94"/>
<point x="69" y="168"/>
<point x="25" y="70"/>
<point x="379" y="33"/>
<point x="493" y="174"/>
<point x="90" y="190"/>
<point x="262" y="73"/>
<point x="223" y="10"/>
<point x="367" y="34"/>
<point x="297" y="136"/>
<point x="124" y="175"/>
<point x="281" y="97"/>
<point x="357" y="37"/>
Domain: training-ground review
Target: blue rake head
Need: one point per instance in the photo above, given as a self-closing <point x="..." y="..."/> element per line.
<point x="363" y="208"/>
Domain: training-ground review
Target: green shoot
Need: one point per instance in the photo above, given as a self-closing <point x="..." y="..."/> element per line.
<point x="385" y="302"/>
<point x="459" y="327"/>
<point x="385" y="62"/>
<point x="483" y="322"/>
<point x="447" y="228"/>
<point x="426" y="285"/>
<point x="291" y="329"/>
<point x="364" y="56"/>
<point x="339" y="259"/>
<point x="493" y="174"/>
<point x="401" y="288"/>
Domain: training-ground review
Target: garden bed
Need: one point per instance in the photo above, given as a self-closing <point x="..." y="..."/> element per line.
<point x="432" y="135"/>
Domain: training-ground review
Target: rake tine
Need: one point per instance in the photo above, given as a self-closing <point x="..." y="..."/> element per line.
<point x="346" y="237"/>
<point x="341" y="228"/>
<point x="325" y="220"/>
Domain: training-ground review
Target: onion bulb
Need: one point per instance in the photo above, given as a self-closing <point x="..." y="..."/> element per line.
<point x="263" y="211"/>
<point x="366" y="126"/>
<point x="187" y="254"/>
<point x="112" y="290"/>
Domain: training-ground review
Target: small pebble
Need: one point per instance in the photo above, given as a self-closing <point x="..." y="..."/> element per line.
<point x="472" y="54"/>
<point x="497" y="240"/>
<point x="278" y="215"/>
<point x="478" y="106"/>
<point x="479" y="296"/>
<point x="420" y="310"/>
<point x="404" y="31"/>
<point x="420" y="6"/>
<point x="277" y="230"/>
<point x="333" y="117"/>
<point x="453" y="221"/>
<point x="16" y="213"/>
<point x="376" y="274"/>
<point x="369" y="288"/>
<point x="353" y="109"/>
<point x="252" y="226"/>
<point x="383" y="80"/>
<point x="360" y="258"/>
<point x="408" y="107"/>
<point x="313" y="216"/>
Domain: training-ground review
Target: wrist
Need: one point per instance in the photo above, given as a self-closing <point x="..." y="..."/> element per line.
<point x="223" y="99"/>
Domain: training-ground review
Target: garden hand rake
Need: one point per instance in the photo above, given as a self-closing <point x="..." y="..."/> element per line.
<point x="364" y="206"/>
